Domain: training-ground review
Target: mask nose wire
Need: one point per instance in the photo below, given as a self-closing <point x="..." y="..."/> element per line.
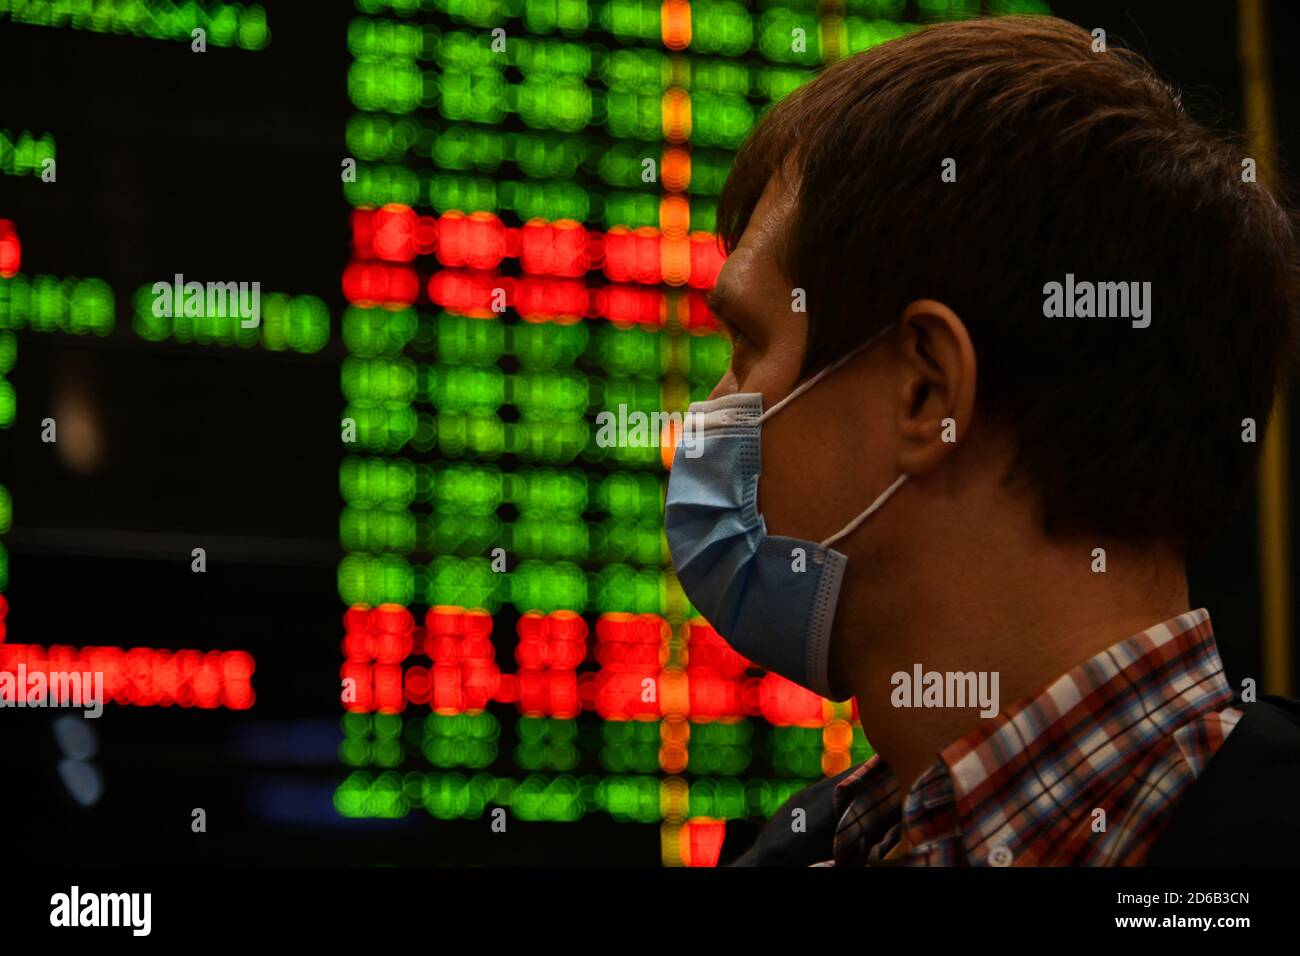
<point x="800" y="389"/>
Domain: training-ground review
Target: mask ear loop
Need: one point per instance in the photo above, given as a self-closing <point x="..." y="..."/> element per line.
<point x="800" y="389"/>
<point x="875" y="506"/>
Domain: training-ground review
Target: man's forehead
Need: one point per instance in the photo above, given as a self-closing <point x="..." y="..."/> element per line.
<point x="762" y="246"/>
<point x="769" y="224"/>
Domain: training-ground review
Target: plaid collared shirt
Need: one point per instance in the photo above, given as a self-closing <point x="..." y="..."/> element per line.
<point x="1126" y="732"/>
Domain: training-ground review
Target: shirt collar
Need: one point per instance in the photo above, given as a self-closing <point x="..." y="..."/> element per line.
<point x="1062" y="748"/>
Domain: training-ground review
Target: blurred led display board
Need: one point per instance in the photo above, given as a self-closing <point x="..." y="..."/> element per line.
<point x="533" y="187"/>
<point x="530" y="190"/>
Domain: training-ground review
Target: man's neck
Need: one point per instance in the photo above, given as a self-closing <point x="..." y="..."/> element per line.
<point x="1029" y="627"/>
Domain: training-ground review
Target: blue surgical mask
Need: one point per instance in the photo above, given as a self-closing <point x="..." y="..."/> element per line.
<point x="743" y="580"/>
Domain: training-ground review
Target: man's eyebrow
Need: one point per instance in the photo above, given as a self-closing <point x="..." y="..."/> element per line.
<point x="716" y="300"/>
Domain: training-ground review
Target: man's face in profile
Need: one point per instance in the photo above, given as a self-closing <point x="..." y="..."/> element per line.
<point x="816" y="463"/>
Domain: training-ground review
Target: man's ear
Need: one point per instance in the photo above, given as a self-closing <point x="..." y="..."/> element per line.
<point x="936" y="363"/>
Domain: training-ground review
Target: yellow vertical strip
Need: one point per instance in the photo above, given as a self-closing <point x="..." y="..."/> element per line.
<point x="674" y="219"/>
<point x="832" y="30"/>
<point x="1274" y="480"/>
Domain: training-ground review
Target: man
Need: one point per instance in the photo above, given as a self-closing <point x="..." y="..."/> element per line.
<point x="1009" y="323"/>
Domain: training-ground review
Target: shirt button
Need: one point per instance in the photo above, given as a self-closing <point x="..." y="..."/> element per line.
<point x="1000" y="856"/>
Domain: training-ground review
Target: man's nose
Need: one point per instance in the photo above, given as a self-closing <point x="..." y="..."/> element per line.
<point x="726" y="386"/>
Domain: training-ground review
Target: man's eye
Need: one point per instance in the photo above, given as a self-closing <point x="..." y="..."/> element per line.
<point x="733" y="333"/>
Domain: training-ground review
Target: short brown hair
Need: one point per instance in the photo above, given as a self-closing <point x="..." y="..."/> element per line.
<point x="1067" y="161"/>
